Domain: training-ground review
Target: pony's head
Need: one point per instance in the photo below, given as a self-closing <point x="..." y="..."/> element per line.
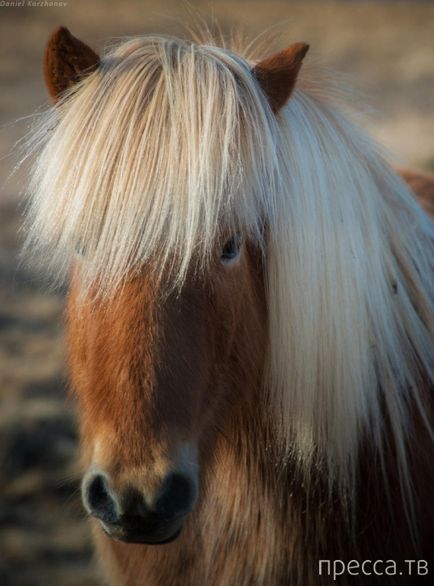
<point x="166" y="311"/>
<point x="237" y="250"/>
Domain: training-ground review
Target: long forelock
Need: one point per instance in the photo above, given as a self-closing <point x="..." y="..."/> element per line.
<point x="164" y="147"/>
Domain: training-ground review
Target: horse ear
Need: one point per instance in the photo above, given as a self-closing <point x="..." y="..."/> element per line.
<point x="277" y="74"/>
<point x="66" y="61"/>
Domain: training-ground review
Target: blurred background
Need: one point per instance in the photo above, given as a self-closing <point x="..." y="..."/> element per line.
<point x="385" y="50"/>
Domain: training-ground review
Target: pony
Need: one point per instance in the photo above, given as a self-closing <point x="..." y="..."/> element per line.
<point x="249" y="317"/>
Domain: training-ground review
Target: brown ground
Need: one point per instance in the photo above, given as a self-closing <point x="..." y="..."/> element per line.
<point x="387" y="52"/>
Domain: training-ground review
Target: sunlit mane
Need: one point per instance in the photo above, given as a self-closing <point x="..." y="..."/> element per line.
<point x="169" y="144"/>
<point x="158" y="150"/>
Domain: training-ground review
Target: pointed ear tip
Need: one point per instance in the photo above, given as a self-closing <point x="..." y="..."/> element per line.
<point x="59" y="33"/>
<point x="304" y="48"/>
<point x="300" y="49"/>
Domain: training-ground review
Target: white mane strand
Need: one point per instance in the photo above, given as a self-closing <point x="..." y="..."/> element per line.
<point x="351" y="291"/>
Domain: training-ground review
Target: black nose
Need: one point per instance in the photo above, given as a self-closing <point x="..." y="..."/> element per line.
<point x="99" y="501"/>
<point x="176" y="497"/>
<point x="128" y="517"/>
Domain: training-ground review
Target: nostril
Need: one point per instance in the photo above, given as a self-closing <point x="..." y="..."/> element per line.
<point x="177" y="498"/>
<point x="99" y="500"/>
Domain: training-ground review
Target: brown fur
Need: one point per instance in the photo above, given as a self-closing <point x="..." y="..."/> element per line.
<point x="422" y="184"/>
<point x="277" y="74"/>
<point x="66" y="61"/>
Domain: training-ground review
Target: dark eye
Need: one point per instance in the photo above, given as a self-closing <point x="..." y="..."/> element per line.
<point x="231" y="249"/>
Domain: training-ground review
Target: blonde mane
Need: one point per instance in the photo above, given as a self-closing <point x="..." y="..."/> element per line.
<point x="169" y="143"/>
